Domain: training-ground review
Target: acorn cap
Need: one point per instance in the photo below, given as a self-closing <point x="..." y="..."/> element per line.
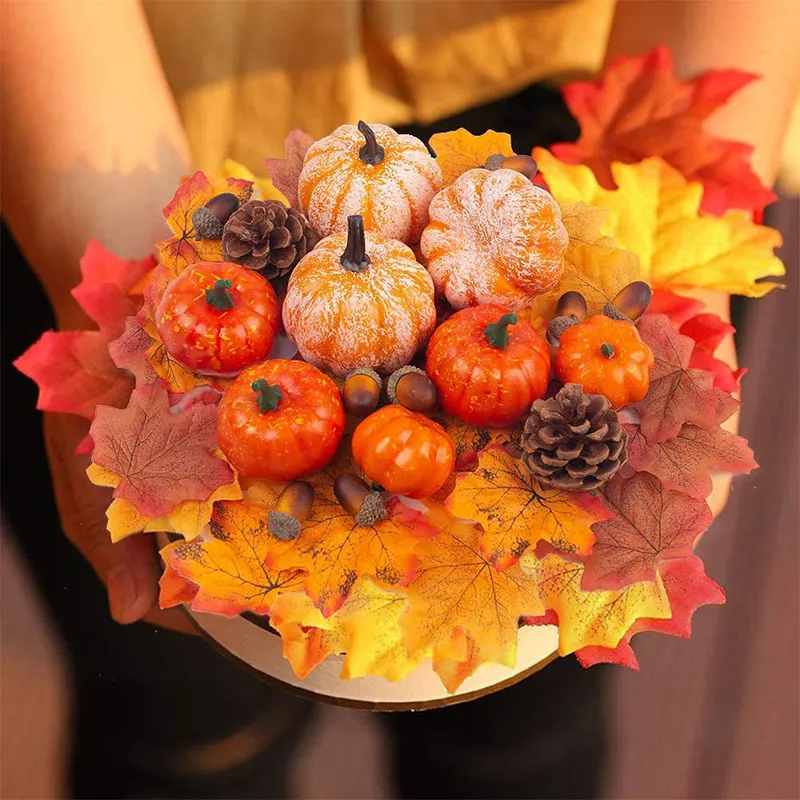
<point x="373" y="509"/>
<point x="283" y="526"/>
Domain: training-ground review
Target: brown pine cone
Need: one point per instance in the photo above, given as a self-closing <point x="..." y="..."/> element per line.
<point x="267" y="236"/>
<point x="574" y="440"/>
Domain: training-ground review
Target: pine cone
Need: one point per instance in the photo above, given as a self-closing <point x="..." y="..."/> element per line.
<point x="573" y="440"/>
<point x="265" y="235"/>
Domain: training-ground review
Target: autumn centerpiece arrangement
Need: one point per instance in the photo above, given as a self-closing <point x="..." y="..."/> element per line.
<point x="401" y="400"/>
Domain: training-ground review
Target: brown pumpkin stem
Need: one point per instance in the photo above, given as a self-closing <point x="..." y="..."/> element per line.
<point x="607" y="350"/>
<point x="371" y="152"/>
<point x="267" y="395"/>
<point x="355" y="256"/>
<point x="219" y="295"/>
<point x="496" y="333"/>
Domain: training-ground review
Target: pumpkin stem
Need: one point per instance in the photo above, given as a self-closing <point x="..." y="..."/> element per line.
<point x="267" y="395"/>
<point x="371" y="152"/>
<point x="607" y="350"/>
<point x="220" y="295"/>
<point x="355" y="258"/>
<point x="496" y="333"/>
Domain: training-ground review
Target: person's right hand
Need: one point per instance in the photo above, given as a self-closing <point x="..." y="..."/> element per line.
<point x="129" y="568"/>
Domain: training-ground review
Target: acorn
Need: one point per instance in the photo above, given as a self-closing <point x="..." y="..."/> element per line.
<point x="364" y="504"/>
<point x="525" y="165"/>
<point x="291" y="510"/>
<point x="412" y="388"/>
<point x="630" y="302"/>
<point x="570" y="310"/>
<point x="209" y="220"/>
<point x="362" y="392"/>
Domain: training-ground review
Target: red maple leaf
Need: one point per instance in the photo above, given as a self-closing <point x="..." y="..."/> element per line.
<point x="650" y="524"/>
<point x="285" y="172"/>
<point x="677" y="307"/>
<point x="639" y="108"/>
<point x="688" y="588"/>
<point x="162" y="458"/>
<point x="708" y="331"/>
<point x="686" y="461"/>
<point x="174" y="589"/>
<point x="678" y="393"/>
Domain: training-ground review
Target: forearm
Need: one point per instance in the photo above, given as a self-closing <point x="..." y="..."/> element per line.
<point x="758" y="36"/>
<point x="92" y="145"/>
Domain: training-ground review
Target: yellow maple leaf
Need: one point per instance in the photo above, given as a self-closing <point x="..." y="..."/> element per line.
<point x="516" y="511"/>
<point x="655" y="213"/>
<point x="264" y="188"/>
<point x="457" y="587"/>
<point x="458" y="151"/>
<point x="592" y="617"/>
<point x="593" y="263"/>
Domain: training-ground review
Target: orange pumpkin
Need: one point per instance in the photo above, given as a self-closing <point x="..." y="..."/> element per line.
<point x="494" y="238"/>
<point x="359" y="300"/>
<point x="280" y="420"/>
<point x="607" y="357"/>
<point x="403" y="451"/>
<point x="386" y="177"/>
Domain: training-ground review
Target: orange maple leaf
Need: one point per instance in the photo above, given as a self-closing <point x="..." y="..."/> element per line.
<point x="459" y="151"/>
<point x="232" y="568"/>
<point x="455" y="659"/>
<point x="457" y="587"/>
<point x="516" y="511"/>
<point x="193" y="193"/>
<point x="336" y="552"/>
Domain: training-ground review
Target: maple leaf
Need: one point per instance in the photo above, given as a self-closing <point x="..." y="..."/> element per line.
<point x="686" y="461"/>
<point x="469" y="440"/>
<point x="592" y="617"/>
<point x="176" y="377"/>
<point x="162" y="458"/>
<point x="231" y="568"/>
<point x="688" y="588"/>
<point x="708" y="332"/>
<point x="459" y="151"/>
<point x="129" y="352"/>
<point x="455" y="659"/>
<point x="174" y="590"/>
<point x="104" y="292"/>
<point x="193" y="193"/>
<point x="650" y="523"/>
<point x="152" y="292"/>
<point x="516" y="511"/>
<point x="593" y="264"/>
<point x="457" y="587"/>
<point x="677" y="307"/>
<point x="74" y="373"/>
<point x="336" y="552"/>
<point x="263" y="188"/>
<point x="285" y="172"/>
<point x="655" y="214"/>
<point x="639" y="108"/>
<point x="678" y="393"/>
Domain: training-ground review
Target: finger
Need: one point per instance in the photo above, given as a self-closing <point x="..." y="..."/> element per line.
<point x="127" y="568"/>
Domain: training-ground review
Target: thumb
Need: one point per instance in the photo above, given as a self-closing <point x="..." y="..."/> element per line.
<point x="127" y="568"/>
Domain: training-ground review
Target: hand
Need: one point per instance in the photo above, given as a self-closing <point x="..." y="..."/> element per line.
<point x="129" y="569"/>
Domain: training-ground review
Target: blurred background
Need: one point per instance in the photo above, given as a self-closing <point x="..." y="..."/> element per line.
<point x="89" y="708"/>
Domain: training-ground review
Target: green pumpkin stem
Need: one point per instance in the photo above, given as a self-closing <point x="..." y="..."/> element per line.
<point x="607" y="349"/>
<point x="267" y="395"/>
<point x="496" y="333"/>
<point x="220" y="295"/>
<point x="371" y="152"/>
<point x="355" y="258"/>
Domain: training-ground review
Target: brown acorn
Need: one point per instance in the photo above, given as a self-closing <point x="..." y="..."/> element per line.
<point x="209" y="220"/>
<point x="630" y="302"/>
<point x="364" y="504"/>
<point x="362" y="391"/>
<point x="412" y="388"/>
<point x="291" y="510"/>
<point x="570" y="310"/>
<point x="525" y="165"/>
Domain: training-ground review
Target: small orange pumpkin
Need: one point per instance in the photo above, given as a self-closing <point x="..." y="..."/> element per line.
<point x="494" y="239"/>
<point x="403" y="451"/>
<point x="359" y="300"/>
<point x="386" y="177"/>
<point x="607" y="357"/>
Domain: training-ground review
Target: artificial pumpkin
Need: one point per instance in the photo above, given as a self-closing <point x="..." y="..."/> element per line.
<point x="488" y="366"/>
<point x="218" y="318"/>
<point x="280" y="420"/>
<point x="494" y="238"/>
<point x="359" y="300"/>
<point x="386" y="177"/>
<point x="605" y="356"/>
<point x="403" y="451"/>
